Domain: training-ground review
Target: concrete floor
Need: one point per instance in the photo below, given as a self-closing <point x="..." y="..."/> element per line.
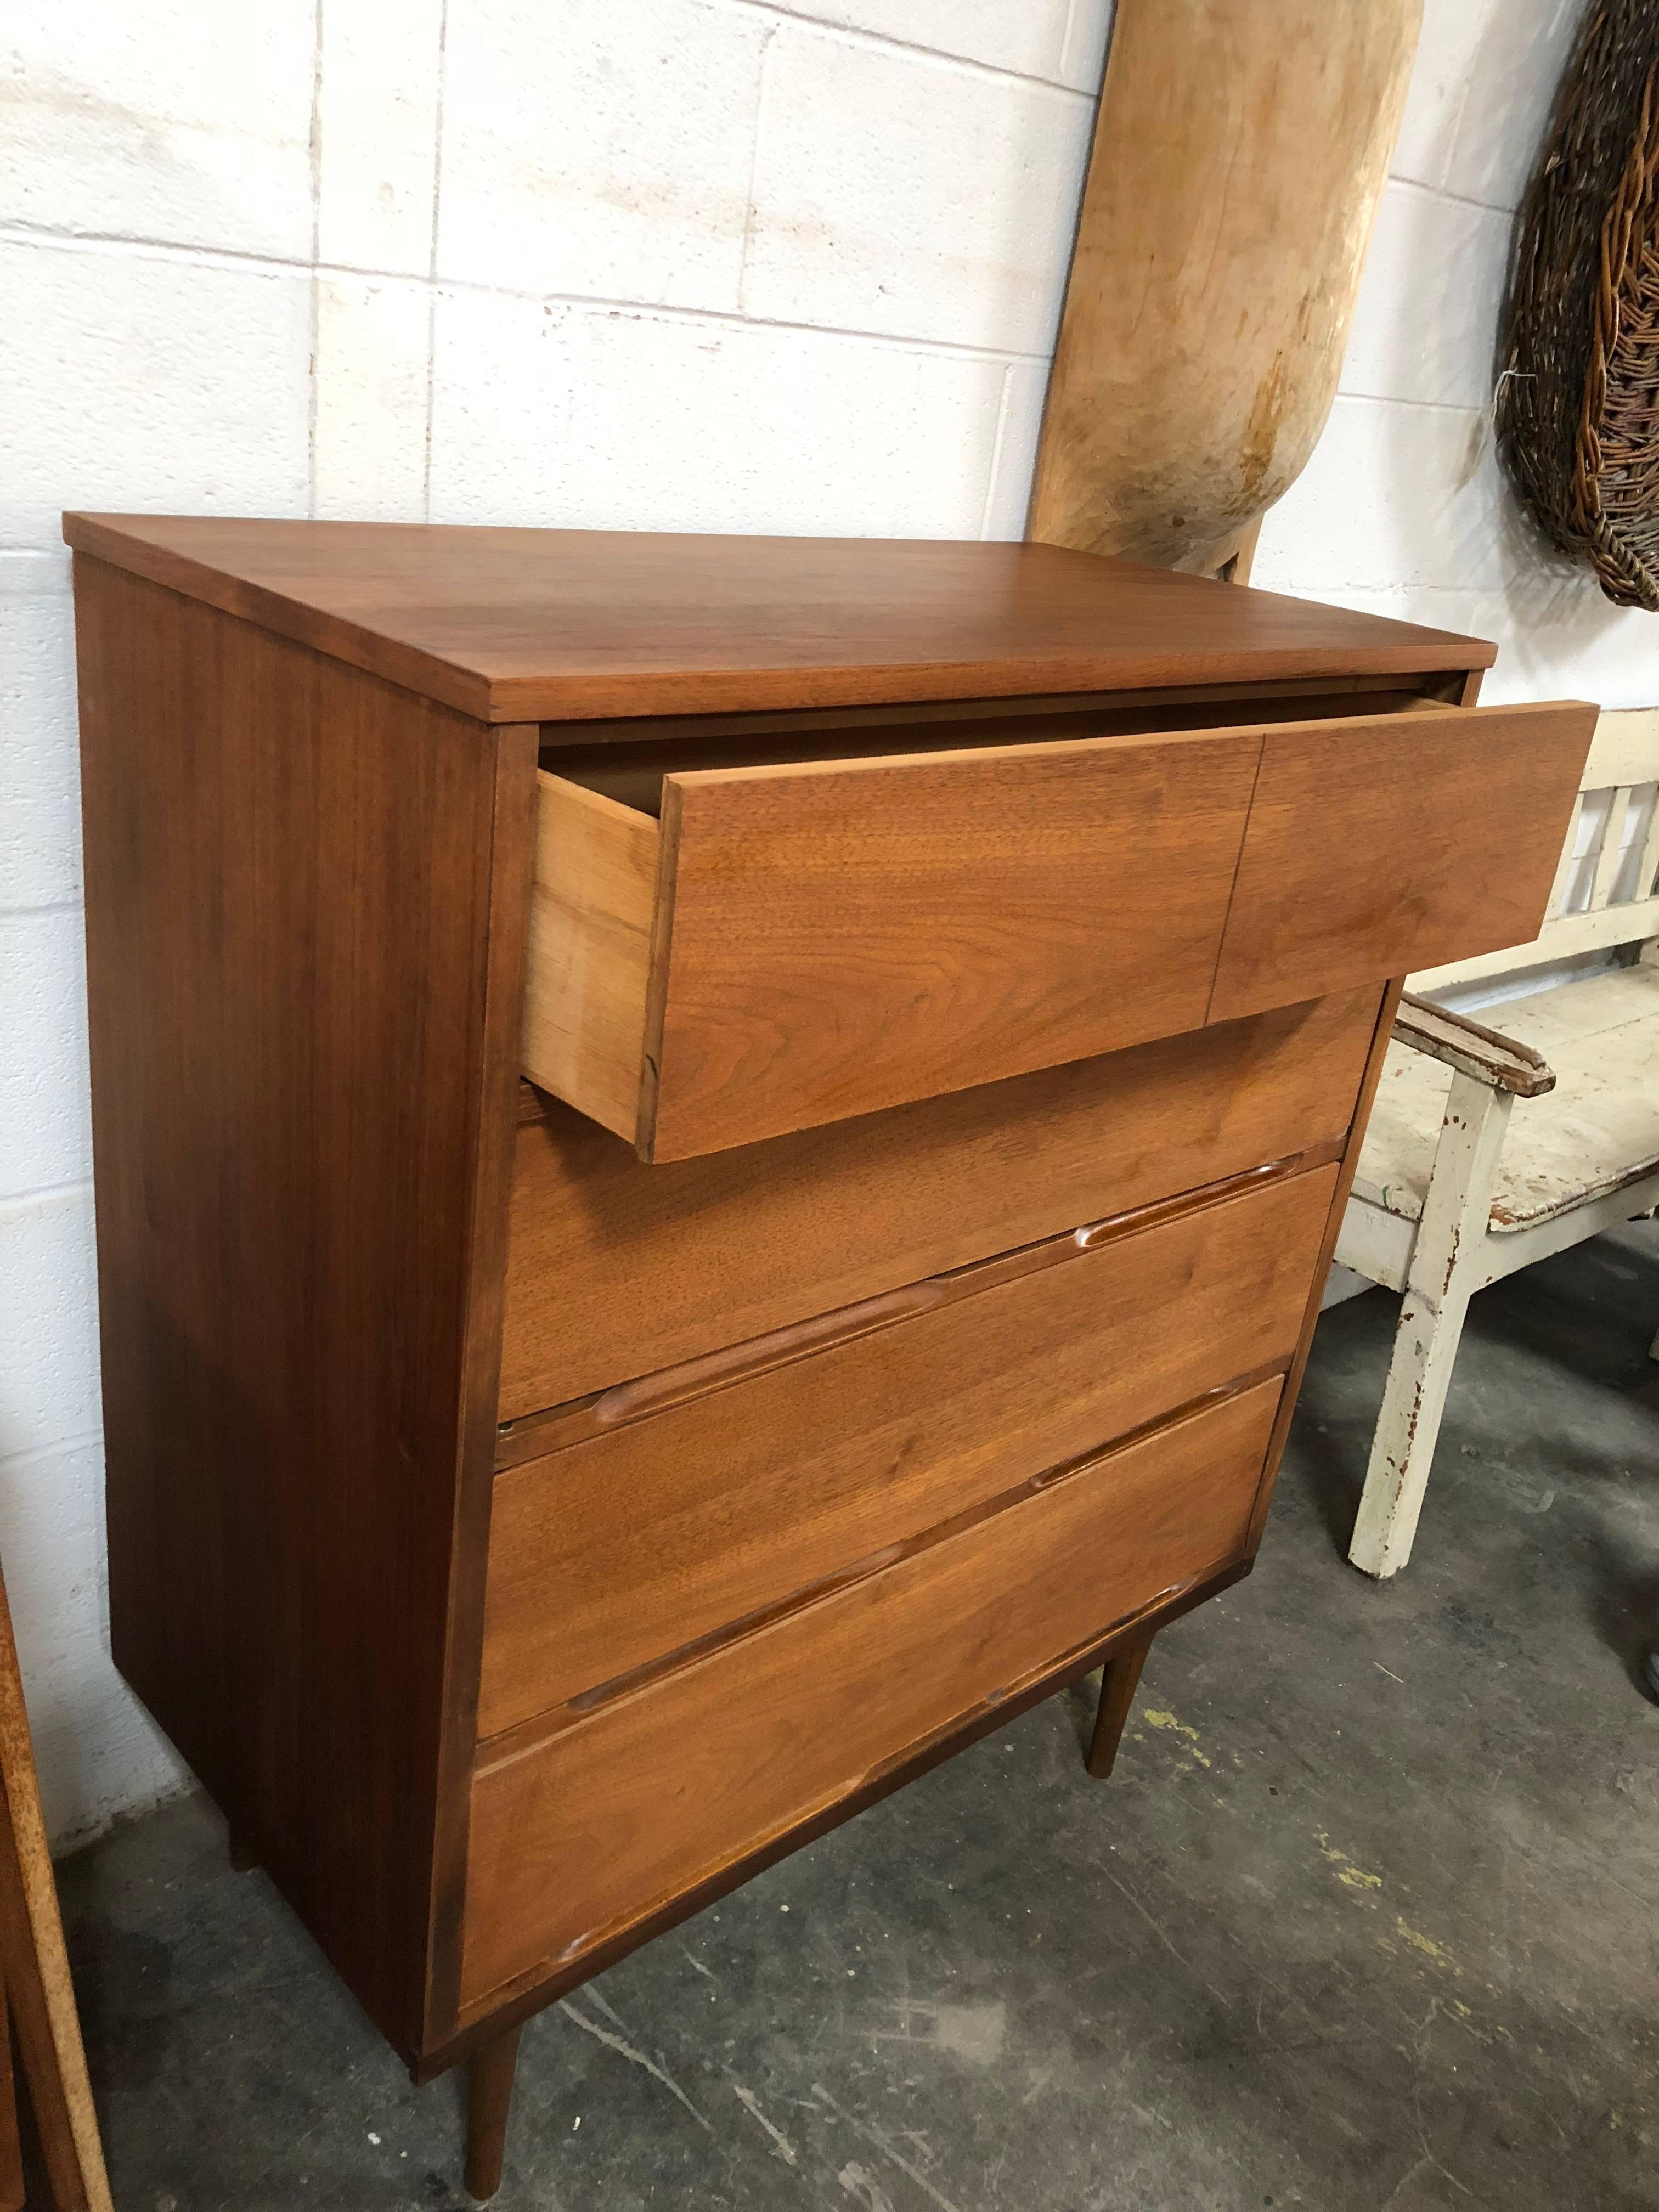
<point x="1367" y="1920"/>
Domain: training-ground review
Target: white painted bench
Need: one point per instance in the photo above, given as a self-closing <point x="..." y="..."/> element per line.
<point x="1451" y="1193"/>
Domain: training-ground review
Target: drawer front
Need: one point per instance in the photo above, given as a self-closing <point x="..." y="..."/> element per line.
<point x="842" y="937"/>
<point x="797" y="943"/>
<point x="1396" y="845"/>
<point x="640" y="1800"/>
<point x="615" y="1268"/>
<point x="644" y="1537"/>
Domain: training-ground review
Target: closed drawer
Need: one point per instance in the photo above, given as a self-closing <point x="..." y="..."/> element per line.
<point x="614" y="1268"/>
<point x="787" y="943"/>
<point x="638" y="1802"/>
<point x="703" y="1497"/>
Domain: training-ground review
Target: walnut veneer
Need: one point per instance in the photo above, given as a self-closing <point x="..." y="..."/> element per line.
<point x="953" y="979"/>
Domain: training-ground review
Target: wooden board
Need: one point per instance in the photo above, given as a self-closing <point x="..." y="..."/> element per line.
<point x="1378" y="848"/>
<point x="834" y="937"/>
<point x="1240" y="154"/>
<point x="580" y="1835"/>
<point x="654" y="1533"/>
<point x="748" y="1241"/>
<point x="569" y="624"/>
<point x="34" y="1972"/>
<point x="305" y="977"/>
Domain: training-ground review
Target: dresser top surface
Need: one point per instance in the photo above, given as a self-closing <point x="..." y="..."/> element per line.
<point x="515" y="625"/>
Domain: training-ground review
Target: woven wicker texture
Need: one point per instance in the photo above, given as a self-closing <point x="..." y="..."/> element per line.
<point x="1577" y="402"/>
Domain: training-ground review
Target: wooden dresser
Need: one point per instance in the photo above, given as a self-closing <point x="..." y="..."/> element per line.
<point x="950" y="979"/>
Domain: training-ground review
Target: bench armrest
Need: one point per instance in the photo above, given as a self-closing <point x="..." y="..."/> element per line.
<point x="1472" y="1048"/>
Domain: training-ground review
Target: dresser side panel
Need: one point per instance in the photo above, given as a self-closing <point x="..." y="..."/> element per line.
<point x="288" y="917"/>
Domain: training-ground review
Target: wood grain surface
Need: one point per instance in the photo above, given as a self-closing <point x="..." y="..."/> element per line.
<point x="606" y="1821"/>
<point x="836" y="937"/>
<point x="291" y="925"/>
<point x="1241" y="150"/>
<point x="514" y="625"/>
<point x="631" y="1544"/>
<point x="589" y="960"/>
<point x="1377" y="848"/>
<point x="744" y="1242"/>
<point x="1345" y="1175"/>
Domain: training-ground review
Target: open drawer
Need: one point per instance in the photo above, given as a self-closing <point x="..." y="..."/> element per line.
<point x="721" y="954"/>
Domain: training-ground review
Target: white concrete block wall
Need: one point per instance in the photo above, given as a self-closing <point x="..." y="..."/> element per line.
<point x="734" y="265"/>
<point x="688" y="264"/>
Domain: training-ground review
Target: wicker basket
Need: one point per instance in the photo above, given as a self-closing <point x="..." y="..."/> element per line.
<point x="1577" y="401"/>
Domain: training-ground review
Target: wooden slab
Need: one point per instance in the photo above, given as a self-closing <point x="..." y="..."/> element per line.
<point x="594" y="1828"/>
<point x="749" y="1240"/>
<point x="1240" y="154"/>
<point x="569" y="625"/>
<point x="38" y="1995"/>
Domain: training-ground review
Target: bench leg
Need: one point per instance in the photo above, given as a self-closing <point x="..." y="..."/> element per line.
<point x="1445" y="1269"/>
<point x="488" y="2099"/>
<point x="1117" y="1694"/>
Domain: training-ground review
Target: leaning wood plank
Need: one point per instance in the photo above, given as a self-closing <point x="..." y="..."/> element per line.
<point x="36" y="1966"/>
<point x="1502" y="1061"/>
<point x="1239" y="159"/>
<point x="590" y="951"/>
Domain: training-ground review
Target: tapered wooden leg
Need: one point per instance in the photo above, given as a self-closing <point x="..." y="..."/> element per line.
<point x="1117" y="1694"/>
<point x="489" y="2098"/>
